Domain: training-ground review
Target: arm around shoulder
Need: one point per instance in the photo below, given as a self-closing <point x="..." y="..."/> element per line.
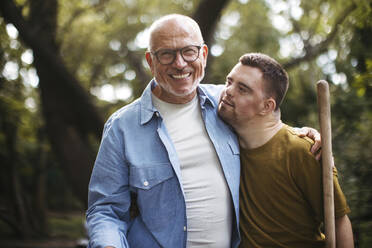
<point x="344" y="233"/>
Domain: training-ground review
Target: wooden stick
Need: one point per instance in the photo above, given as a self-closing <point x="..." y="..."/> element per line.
<point x="327" y="162"/>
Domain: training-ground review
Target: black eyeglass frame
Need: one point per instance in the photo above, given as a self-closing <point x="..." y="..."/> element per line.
<point x="174" y="53"/>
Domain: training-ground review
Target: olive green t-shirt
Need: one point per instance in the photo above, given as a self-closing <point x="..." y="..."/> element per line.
<point x="281" y="194"/>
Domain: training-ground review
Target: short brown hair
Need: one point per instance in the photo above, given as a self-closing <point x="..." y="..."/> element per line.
<point x="275" y="77"/>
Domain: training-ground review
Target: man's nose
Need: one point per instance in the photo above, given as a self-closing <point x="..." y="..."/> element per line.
<point x="179" y="62"/>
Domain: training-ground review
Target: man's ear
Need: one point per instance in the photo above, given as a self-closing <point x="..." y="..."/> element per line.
<point x="149" y="61"/>
<point x="269" y="106"/>
<point x="205" y="54"/>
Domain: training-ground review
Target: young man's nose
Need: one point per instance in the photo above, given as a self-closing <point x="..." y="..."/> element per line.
<point x="229" y="90"/>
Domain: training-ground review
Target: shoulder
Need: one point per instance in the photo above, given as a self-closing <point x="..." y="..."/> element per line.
<point x="212" y="88"/>
<point x="126" y="113"/>
<point x="212" y="91"/>
<point x="302" y="162"/>
<point x="296" y="144"/>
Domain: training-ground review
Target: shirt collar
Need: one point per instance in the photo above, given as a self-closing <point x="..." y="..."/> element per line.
<point x="204" y="98"/>
<point x="147" y="108"/>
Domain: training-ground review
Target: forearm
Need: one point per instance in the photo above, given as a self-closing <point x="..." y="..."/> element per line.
<point x="105" y="229"/>
<point x="107" y="215"/>
<point x="344" y="233"/>
<point x="108" y="206"/>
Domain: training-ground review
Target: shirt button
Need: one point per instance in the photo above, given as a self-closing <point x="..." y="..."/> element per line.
<point x="145" y="183"/>
<point x="184" y="228"/>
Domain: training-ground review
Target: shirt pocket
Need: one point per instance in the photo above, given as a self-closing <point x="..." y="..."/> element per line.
<point x="157" y="193"/>
<point x="146" y="178"/>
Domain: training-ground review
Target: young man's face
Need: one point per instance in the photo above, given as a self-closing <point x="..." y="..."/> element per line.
<point x="243" y="97"/>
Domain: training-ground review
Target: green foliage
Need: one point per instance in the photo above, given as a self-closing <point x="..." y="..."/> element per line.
<point x="244" y="28"/>
<point x="101" y="42"/>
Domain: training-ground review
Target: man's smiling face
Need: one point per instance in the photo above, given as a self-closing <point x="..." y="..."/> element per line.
<point x="180" y="78"/>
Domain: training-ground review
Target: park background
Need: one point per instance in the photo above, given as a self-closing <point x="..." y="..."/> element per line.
<point x="66" y="65"/>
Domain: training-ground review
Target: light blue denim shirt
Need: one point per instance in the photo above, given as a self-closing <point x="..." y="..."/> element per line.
<point x="136" y="155"/>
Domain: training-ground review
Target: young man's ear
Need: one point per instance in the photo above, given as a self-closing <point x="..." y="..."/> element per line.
<point x="269" y="106"/>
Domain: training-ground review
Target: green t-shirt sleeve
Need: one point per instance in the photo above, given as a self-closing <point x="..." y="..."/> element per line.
<point x="307" y="173"/>
<point x="341" y="207"/>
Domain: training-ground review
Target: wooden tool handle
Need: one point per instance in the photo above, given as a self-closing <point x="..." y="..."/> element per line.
<point x="327" y="161"/>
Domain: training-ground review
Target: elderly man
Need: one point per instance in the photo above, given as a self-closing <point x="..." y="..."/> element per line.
<point x="170" y="150"/>
<point x="281" y="182"/>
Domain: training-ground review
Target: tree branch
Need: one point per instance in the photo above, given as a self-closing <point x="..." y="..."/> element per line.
<point x="207" y="22"/>
<point x="80" y="11"/>
<point x="313" y="51"/>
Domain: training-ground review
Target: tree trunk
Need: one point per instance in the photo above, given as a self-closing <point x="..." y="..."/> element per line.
<point x="71" y="118"/>
<point x="13" y="206"/>
<point x="39" y="205"/>
<point x="207" y="16"/>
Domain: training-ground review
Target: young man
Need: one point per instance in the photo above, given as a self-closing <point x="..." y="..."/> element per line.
<point x="281" y="189"/>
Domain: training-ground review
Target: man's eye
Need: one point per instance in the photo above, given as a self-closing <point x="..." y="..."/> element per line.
<point x="165" y="53"/>
<point x="189" y="51"/>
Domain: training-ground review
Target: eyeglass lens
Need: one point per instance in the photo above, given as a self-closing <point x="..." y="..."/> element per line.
<point x="167" y="56"/>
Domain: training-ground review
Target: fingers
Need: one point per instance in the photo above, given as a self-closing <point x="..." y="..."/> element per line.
<point x="316" y="148"/>
<point x="318" y="156"/>
<point x="333" y="161"/>
<point x="302" y="132"/>
<point x="314" y="135"/>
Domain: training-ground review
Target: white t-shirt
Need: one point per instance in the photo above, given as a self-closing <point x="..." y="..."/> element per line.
<point x="208" y="201"/>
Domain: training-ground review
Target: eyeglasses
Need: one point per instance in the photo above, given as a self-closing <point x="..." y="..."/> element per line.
<point x="168" y="56"/>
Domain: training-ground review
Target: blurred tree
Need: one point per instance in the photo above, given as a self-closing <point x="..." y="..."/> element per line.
<point x="68" y="111"/>
<point x="22" y="156"/>
<point x="353" y="119"/>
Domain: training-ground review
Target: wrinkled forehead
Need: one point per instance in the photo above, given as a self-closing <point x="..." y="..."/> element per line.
<point x="175" y="33"/>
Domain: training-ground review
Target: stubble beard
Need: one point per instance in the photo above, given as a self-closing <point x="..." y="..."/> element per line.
<point x="226" y="116"/>
<point x="169" y="89"/>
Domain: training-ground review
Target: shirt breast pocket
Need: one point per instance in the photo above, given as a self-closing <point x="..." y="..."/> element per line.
<point x="146" y="178"/>
<point x="157" y="191"/>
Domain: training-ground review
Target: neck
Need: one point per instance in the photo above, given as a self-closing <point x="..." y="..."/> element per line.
<point x="258" y="131"/>
<point x="169" y="98"/>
